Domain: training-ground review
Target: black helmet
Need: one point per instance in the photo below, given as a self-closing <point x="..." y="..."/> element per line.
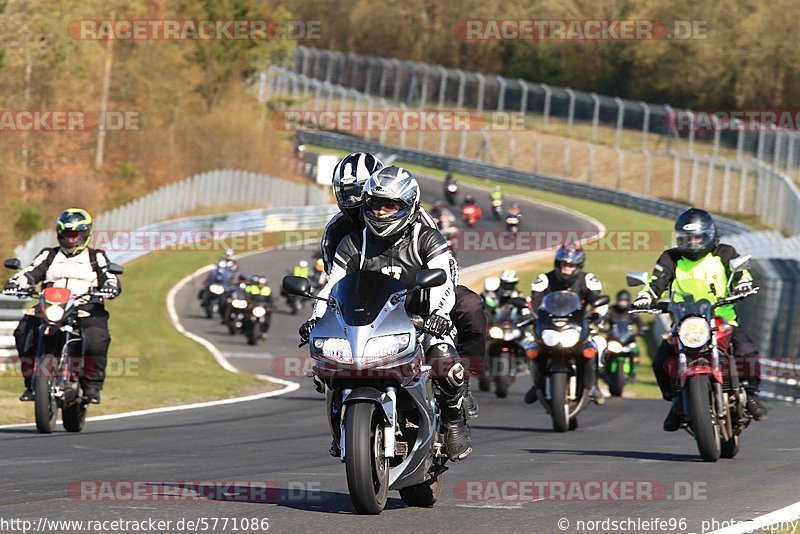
<point x="349" y="177"/>
<point x="695" y="233"/>
<point x="393" y="185"/>
<point x="469" y="199"/>
<point x="623" y="295"/>
<point x="572" y="254"/>
<point x="74" y="231"/>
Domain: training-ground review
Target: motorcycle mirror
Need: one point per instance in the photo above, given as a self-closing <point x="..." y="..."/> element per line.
<point x="637" y="279"/>
<point x="115" y="268"/>
<point x="12" y="263"/>
<point x="739" y="263"/>
<point x="431" y="278"/>
<point x="602" y="300"/>
<point x="296" y="285"/>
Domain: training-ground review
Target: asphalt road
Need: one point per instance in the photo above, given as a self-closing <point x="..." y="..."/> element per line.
<point x="618" y="465"/>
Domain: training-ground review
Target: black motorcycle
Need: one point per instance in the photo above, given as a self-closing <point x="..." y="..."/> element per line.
<point x="58" y="358"/>
<point x="621" y="356"/>
<point x="212" y="296"/>
<point x="257" y="318"/>
<point x="451" y="192"/>
<point x="562" y="337"/>
<point x="504" y="351"/>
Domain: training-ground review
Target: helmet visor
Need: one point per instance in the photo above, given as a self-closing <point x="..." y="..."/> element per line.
<point x="386" y="207"/>
<point x="349" y="195"/>
<point x="73" y="238"/>
<point x="693" y="241"/>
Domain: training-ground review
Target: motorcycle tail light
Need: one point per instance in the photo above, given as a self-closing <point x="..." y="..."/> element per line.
<point x="589" y="352"/>
<point x="532" y="354"/>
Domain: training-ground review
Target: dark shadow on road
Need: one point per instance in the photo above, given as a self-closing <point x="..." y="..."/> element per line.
<point x="638" y="455"/>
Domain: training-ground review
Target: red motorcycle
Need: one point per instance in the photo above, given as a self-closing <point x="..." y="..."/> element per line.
<point x="471" y="213"/>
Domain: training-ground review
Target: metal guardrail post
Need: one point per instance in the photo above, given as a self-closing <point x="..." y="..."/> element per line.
<point x="645" y="124"/>
<point x="501" y="93"/>
<point x="548" y="93"/>
<point x="595" y="115"/>
<point x="571" y="110"/>
<point x="620" y="119"/>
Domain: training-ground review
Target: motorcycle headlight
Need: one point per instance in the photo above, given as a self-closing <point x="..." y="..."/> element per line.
<point x="694" y="332"/>
<point x="216" y="289"/>
<point x="569" y="338"/>
<point x="385" y="347"/>
<point x="551" y="337"/>
<point x="512" y="334"/>
<point x="496" y="332"/>
<point x="614" y="346"/>
<point x="337" y="349"/>
<point x="239" y="304"/>
<point x="258" y="311"/>
<point x="54" y="313"/>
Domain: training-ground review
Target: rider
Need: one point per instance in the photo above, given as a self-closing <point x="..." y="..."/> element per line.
<point x="489" y="295"/>
<point x="514" y="211"/>
<point x="619" y="313"/>
<point x="398" y="243"/>
<point x="301" y="269"/>
<point x="318" y="276"/>
<point x="349" y="177"/>
<point x="497" y="194"/>
<point x="700" y="256"/>
<point x="80" y="269"/>
<point x="568" y="275"/>
<point x="508" y="290"/>
<point x="259" y="285"/>
<point x="229" y="261"/>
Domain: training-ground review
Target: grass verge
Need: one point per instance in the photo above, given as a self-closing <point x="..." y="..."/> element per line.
<point x="150" y="363"/>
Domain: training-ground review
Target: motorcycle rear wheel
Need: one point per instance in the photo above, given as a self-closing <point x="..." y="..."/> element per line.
<point x="423" y="495"/>
<point x="74" y="417"/>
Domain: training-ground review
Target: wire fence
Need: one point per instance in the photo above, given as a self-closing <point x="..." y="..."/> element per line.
<point x="723" y="185"/>
<point x="214" y="188"/>
<point x="422" y="85"/>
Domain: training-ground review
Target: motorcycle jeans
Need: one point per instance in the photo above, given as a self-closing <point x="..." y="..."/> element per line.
<point x="96" y="340"/>
<point x="469" y="319"/>
<point x="746" y="356"/>
<point x="448" y="374"/>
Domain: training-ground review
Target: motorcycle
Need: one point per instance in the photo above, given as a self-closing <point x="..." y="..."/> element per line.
<point x="504" y="351"/>
<point x="257" y="318"/>
<point x="512" y="222"/>
<point x="58" y="359"/>
<point x="451" y="235"/>
<point x="212" y="296"/>
<point x="368" y="353"/>
<point x="235" y="311"/>
<point x="450" y="192"/>
<point x="714" y="399"/>
<point x="620" y="356"/>
<point x="471" y="213"/>
<point x="497" y="208"/>
<point x="562" y="336"/>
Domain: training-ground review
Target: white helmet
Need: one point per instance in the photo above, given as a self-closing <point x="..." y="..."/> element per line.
<point x="391" y="184"/>
<point x="303" y="264"/>
<point x="491" y="284"/>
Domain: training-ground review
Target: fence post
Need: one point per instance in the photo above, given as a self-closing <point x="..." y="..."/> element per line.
<point x="382" y="83"/>
<point x="709" y="184"/>
<point x="538" y="154"/>
<point x="547" y="96"/>
<point x="442" y="85"/>
<point x="591" y="162"/>
<point x="692" y="128"/>
<point x="462" y="80"/>
<point x="595" y="115"/>
<point x="481" y="91"/>
<point x="512" y="148"/>
<point x="566" y="159"/>
<point x="397" y="66"/>
<point x="620" y="119"/>
<point x="571" y="110"/>
<point x="693" y="183"/>
<point x="739" y="140"/>
<point x="742" y="187"/>
<point x="648" y="175"/>
<point x="501" y="93"/>
<point x="645" y="124"/>
<point x="620" y="164"/>
<point x="523" y="104"/>
<point x="676" y="174"/>
<point x="726" y="185"/>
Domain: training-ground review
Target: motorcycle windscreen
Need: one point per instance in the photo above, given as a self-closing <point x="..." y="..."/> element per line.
<point x="561" y="303"/>
<point x="691" y="296"/>
<point x="507" y="314"/>
<point x="363" y="294"/>
<point x="221" y="275"/>
<point x="622" y="332"/>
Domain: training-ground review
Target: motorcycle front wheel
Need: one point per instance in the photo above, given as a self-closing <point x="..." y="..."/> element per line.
<point x="559" y="407"/>
<point x="45" y="406"/>
<point x="704" y="418"/>
<point x="366" y="466"/>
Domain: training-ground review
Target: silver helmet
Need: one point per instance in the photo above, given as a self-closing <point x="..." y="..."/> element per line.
<point x="395" y="188"/>
<point x="349" y="177"/>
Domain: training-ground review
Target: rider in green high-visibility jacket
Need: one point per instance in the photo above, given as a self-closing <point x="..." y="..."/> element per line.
<point x="698" y="268"/>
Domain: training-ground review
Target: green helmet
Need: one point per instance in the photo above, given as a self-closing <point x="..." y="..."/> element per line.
<point x="74" y="231"/>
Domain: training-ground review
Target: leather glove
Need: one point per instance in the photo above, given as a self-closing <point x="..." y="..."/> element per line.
<point x="643" y="300"/>
<point x="439" y="326"/>
<point x="10" y="287"/>
<point x="110" y="289"/>
<point x="743" y="286"/>
<point x="306" y="328"/>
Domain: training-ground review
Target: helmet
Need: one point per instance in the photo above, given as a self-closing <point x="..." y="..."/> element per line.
<point x="243" y="277"/>
<point x="438" y="205"/>
<point x="262" y="280"/>
<point x="319" y="265"/>
<point x="623" y="295"/>
<point x="391" y="185"/>
<point x="571" y="254"/>
<point x="491" y="284"/>
<point x="349" y="177"/>
<point x="508" y="281"/>
<point x="303" y="264"/>
<point x="229" y="254"/>
<point x="695" y="233"/>
<point x="74" y="231"/>
<point x="469" y="199"/>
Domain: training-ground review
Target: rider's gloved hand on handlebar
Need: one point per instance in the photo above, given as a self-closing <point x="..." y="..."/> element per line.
<point x="643" y="300"/>
<point x="743" y="286"/>
<point x="306" y="328"/>
<point x="10" y="287"/>
<point x="110" y="289"/>
<point x="437" y="325"/>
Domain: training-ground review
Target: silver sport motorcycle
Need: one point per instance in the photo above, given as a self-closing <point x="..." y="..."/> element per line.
<point x="368" y="353"/>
